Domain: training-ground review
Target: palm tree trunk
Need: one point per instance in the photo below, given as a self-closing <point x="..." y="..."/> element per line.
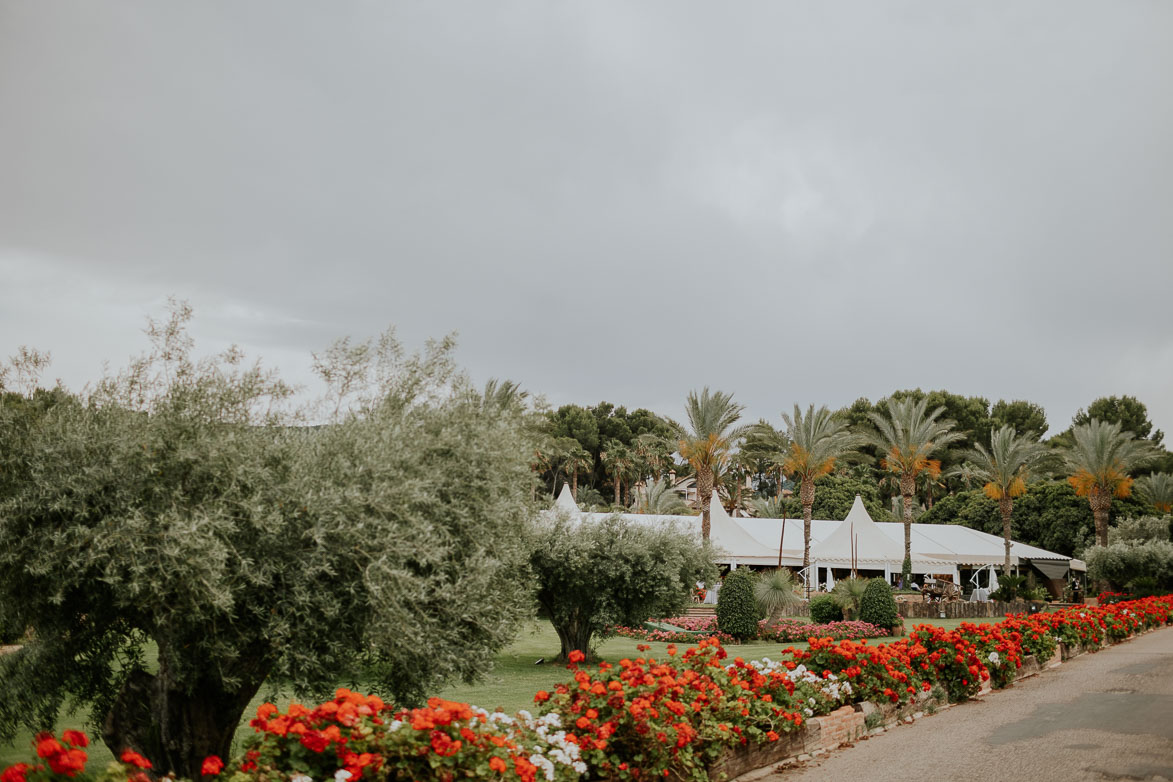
<point x="806" y="494"/>
<point x="1101" y="502"/>
<point x="704" y="490"/>
<point x="1006" y="505"/>
<point x="907" y="488"/>
<point x="618" y="488"/>
<point x="574" y="485"/>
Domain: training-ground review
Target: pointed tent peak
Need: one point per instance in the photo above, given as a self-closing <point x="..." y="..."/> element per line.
<point x="858" y="533"/>
<point x="858" y="512"/>
<point x="716" y="509"/>
<point x="566" y="501"/>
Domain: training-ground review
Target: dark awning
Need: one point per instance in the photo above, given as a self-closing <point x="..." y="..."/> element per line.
<point x="1052" y="568"/>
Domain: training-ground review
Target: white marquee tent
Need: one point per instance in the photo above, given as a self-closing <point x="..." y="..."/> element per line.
<point x="936" y="548"/>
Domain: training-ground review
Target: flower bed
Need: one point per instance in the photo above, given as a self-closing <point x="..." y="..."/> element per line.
<point x="674" y="717"/>
<point x="782" y="631"/>
<point x="791" y="630"/>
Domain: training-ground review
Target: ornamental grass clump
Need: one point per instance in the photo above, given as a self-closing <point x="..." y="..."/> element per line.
<point x="877" y="606"/>
<point x="737" y="611"/>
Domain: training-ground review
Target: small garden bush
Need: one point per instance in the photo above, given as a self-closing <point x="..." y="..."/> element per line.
<point x="825" y="609"/>
<point x="737" y="610"/>
<point x="1125" y="564"/>
<point x="877" y="606"/>
<point x="1009" y="588"/>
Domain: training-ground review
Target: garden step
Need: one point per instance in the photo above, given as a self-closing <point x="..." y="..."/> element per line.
<point x="701" y="610"/>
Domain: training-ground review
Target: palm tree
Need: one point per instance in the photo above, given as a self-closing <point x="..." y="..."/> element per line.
<point x="504" y="394"/>
<point x="707" y="441"/>
<point x="574" y="461"/>
<point x="774" y="593"/>
<point x="618" y="461"/>
<point x="848" y="593"/>
<point x="659" y="498"/>
<point x="816" y="441"/>
<point x="1099" y="460"/>
<point x="654" y="453"/>
<point x="546" y="457"/>
<point x="741" y="467"/>
<point x="932" y="481"/>
<point x="1004" y="470"/>
<point x="772" y="508"/>
<point x="910" y="435"/>
<point x="768" y="446"/>
<point x="1157" y="490"/>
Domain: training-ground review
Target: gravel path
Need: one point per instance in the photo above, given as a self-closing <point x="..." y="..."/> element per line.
<point x="1103" y="716"/>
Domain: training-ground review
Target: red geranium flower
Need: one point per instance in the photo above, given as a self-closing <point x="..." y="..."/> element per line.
<point x="132" y="758"/>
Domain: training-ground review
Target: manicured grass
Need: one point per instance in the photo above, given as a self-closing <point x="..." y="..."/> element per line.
<point x="510" y="685"/>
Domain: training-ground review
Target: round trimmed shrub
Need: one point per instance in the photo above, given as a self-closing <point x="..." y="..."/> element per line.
<point x="737" y="610"/>
<point x="825" y="609"/>
<point x="877" y="606"/>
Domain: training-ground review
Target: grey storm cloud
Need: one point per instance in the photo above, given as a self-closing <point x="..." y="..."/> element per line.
<point x="793" y="201"/>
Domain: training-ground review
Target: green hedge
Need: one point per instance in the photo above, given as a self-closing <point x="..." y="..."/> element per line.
<point x="877" y="606"/>
<point x="737" y="611"/>
<point x="824" y="609"/>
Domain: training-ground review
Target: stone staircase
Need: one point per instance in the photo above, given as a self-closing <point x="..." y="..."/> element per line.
<point x="701" y="609"/>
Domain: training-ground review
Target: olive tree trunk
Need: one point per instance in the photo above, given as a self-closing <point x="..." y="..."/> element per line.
<point x="176" y="726"/>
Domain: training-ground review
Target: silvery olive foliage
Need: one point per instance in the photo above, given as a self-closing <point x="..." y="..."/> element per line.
<point x="188" y="504"/>
<point x="596" y="573"/>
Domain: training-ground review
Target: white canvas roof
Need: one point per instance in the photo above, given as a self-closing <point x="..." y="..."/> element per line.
<point x="566" y="501"/>
<point x="754" y="541"/>
<point x="872" y="546"/>
<point x="732" y="543"/>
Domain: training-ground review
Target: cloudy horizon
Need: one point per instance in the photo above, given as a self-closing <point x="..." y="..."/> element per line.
<point x="794" y="202"/>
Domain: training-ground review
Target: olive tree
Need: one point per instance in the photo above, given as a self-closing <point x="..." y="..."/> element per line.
<point x="175" y="506"/>
<point x="592" y="575"/>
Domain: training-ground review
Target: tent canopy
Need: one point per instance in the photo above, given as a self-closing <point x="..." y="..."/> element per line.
<point x="872" y="546"/>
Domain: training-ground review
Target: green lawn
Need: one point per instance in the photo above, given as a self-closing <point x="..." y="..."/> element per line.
<point x="510" y="685"/>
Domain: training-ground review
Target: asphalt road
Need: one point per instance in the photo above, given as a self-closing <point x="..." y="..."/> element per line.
<point x="1102" y="716"/>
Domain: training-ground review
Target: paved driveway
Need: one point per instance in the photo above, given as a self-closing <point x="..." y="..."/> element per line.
<point x="1103" y="716"/>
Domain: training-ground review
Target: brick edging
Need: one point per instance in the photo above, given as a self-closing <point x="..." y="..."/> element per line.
<point x="843" y="726"/>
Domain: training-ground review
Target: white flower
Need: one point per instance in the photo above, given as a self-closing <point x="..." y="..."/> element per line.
<point x="994" y="658"/>
<point x="300" y="778"/>
<point x="341" y="775"/>
<point x="544" y="764"/>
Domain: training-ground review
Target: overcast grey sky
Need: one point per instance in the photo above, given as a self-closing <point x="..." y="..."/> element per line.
<point x="793" y="201"/>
